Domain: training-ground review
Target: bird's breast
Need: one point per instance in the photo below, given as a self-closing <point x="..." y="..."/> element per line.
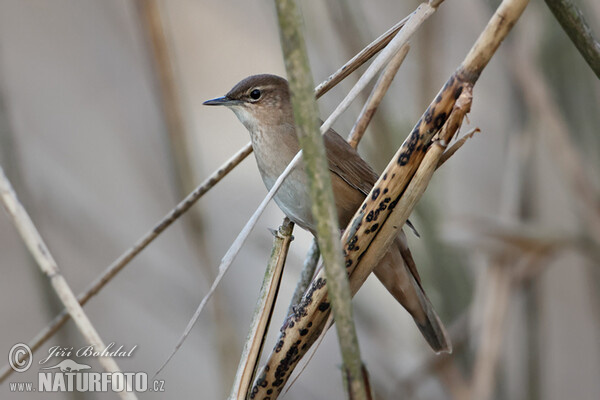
<point x="272" y="157"/>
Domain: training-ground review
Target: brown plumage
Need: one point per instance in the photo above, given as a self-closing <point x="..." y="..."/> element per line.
<point x="262" y="104"/>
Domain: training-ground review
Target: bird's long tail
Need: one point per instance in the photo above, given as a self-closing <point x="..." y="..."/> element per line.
<point x="398" y="273"/>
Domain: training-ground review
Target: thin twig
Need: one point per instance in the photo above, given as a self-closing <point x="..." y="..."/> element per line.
<point x="457" y="145"/>
<point x="38" y="249"/>
<point x="571" y="19"/>
<point x="377" y="94"/>
<point x="363" y="56"/>
<point x="420" y="15"/>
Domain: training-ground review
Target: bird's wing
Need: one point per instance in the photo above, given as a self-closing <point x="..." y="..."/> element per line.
<point x="346" y="163"/>
<point x="350" y="166"/>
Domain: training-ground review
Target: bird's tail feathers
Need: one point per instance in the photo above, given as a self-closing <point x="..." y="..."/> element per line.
<point x="395" y="271"/>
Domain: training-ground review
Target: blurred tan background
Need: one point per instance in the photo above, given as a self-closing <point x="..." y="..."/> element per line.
<point x="85" y="141"/>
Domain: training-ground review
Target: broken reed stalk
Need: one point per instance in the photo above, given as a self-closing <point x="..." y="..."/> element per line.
<point x="407" y="198"/>
<point x="306" y="116"/>
<point x="386" y="208"/>
<point x="571" y="19"/>
<point x="457" y="145"/>
<point x="263" y="312"/>
<point x="444" y="157"/>
<point x="38" y="249"/>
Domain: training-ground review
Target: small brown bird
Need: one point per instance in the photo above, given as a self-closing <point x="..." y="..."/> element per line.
<point x="262" y="103"/>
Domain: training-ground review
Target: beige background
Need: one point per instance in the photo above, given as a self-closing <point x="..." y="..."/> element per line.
<point x="84" y="141"/>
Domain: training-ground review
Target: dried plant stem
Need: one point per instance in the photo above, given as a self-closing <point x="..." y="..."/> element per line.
<point x="262" y="314"/>
<point x="150" y="15"/>
<point x="38" y="249"/>
<point x="458" y="330"/>
<point x="571" y="19"/>
<point x="141" y="244"/>
<point x="306" y="116"/>
<point x="377" y="94"/>
<point x="498" y="289"/>
<point x="499" y="279"/>
<point x="363" y="56"/>
<point x="416" y="19"/>
<point x="409" y="198"/>
<point x="417" y="186"/>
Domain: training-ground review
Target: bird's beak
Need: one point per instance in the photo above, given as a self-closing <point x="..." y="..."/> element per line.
<point x="221" y="101"/>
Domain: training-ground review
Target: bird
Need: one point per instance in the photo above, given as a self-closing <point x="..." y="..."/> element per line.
<point x="263" y="105"/>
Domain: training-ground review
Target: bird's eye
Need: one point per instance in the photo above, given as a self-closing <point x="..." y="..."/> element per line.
<point x="255" y="94"/>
